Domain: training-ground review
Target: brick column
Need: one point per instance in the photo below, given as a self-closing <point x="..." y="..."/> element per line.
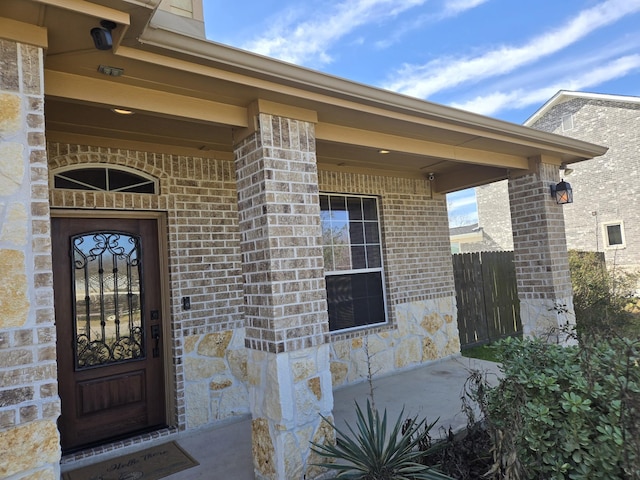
<point x="29" y="403"/>
<point x="540" y="248"/>
<point x="285" y="297"/>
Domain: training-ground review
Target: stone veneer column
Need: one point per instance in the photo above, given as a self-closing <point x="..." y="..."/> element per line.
<point x="540" y="251"/>
<point x="285" y="297"/>
<point x="29" y="402"/>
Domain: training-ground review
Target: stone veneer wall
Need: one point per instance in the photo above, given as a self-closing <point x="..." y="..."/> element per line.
<point x="421" y="303"/>
<point x="285" y="296"/>
<point x="199" y="198"/>
<point x="29" y="403"/>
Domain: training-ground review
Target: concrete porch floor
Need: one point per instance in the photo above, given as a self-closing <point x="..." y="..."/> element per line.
<point x="432" y="391"/>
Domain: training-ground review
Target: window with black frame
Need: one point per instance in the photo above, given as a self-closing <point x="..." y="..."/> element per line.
<point x="353" y="261"/>
<point x="103" y="178"/>
<point x="614" y="235"/>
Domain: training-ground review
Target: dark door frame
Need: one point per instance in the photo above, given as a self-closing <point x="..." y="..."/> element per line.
<point x="161" y="228"/>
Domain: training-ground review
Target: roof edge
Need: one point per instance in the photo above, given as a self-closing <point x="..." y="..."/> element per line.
<point x="563" y="95"/>
<point x="251" y="64"/>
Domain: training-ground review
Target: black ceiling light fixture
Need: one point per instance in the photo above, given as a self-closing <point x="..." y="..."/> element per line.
<point x="102" y="35"/>
<point x="562" y="192"/>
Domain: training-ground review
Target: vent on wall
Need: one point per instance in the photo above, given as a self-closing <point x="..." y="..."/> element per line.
<point x="567" y="123"/>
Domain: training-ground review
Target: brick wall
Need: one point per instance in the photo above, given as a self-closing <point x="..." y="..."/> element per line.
<point x="415" y="233"/>
<point x="199" y="198"/>
<point x="204" y="246"/>
<point x="541" y="262"/>
<point x="540" y="255"/>
<point x="495" y="218"/>
<point x="606" y="189"/>
<point x="283" y="266"/>
<point x="420" y="291"/>
<point x="29" y="403"/>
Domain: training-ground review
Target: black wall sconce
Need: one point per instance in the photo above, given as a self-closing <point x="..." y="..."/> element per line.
<point x="562" y="193"/>
<point x="102" y="35"/>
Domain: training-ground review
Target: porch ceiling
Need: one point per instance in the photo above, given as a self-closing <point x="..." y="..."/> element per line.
<point x="190" y="95"/>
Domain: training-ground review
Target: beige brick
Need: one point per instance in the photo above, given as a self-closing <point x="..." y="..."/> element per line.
<point x="14" y="228"/>
<point x="11" y="167"/>
<point x="14" y="303"/>
<point x="10" y="115"/>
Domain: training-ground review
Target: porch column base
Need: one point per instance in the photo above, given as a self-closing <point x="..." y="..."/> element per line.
<point x="288" y="393"/>
<point x="552" y="320"/>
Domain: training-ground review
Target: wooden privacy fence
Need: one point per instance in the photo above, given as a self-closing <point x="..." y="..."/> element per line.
<point x="488" y="305"/>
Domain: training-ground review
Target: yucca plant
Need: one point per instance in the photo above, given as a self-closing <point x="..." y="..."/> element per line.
<point x="372" y="454"/>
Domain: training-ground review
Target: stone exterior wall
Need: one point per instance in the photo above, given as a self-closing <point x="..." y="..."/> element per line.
<point x="285" y="295"/>
<point x="607" y="188"/>
<point x="424" y="331"/>
<point x="29" y="403"/>
<point x="215" y="366"/>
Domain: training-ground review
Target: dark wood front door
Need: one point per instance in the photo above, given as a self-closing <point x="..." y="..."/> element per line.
<point x="109" y="334"/>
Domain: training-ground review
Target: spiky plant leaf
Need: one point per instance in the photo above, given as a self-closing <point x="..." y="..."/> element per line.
<point x="368" y="453"/>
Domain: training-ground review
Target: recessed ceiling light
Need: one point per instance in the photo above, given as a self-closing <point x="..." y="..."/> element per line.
<point x="123" y="111"/>
<point x="383" y="152"/>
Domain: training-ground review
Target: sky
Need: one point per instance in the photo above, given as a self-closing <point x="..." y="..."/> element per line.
<point x="500" y="58"/>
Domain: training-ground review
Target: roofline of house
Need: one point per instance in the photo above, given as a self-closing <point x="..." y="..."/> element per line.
<point x="252" y="65"/>
<point x="564" y="95"/>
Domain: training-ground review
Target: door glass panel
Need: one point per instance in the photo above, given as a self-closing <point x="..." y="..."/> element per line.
<point x="108" y="298"/>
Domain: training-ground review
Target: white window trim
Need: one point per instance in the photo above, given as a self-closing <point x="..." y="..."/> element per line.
<point x="380" y="269"/>
<point x="605" y="235"/>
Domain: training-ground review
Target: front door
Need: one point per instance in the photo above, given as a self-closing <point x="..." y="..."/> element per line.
<point x="109" y="334"/>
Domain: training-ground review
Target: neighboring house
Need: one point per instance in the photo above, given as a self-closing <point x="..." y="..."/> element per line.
<point x="606" y="190"/>
<point x="235" y="245"/>
<point x="463" y="235"/>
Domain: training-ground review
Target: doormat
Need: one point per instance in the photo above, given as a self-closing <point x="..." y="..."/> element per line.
<point x="150" y="464"/>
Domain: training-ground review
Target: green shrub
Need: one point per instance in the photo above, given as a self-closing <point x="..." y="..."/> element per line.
<point x="602" y="298"/>
<point x="373" y="453"/>
<point x="566" y="412"/>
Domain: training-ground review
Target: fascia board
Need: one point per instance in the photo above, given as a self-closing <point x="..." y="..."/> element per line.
<point x="252" y="65"/>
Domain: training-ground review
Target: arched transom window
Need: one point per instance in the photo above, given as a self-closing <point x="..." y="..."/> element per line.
<point x="104" y="178"/>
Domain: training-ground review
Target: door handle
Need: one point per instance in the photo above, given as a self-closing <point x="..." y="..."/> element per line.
<point x="155" y="334"/>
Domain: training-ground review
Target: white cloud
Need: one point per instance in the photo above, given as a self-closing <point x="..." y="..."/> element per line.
<point x="310" y="40"/>
<point x="424" y="80"/>
<point x="459" y="200"/>
<point x="498" y="101"/>
<point x="455" y="7"/>
<point x="451" y="8"/>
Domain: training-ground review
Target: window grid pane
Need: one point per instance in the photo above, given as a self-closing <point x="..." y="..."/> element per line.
<point x="349" y="221"/>
<point x="614" y="234"/>
<point x="353" y="261"/>
<point x="105" y="179"/>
